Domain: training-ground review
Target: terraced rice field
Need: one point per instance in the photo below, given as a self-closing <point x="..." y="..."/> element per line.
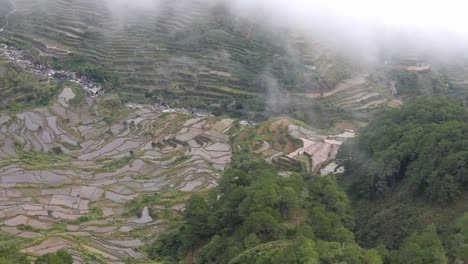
<point x="103" y="165"/>
<point x="196" y="52"/>
<point x="317" y="149"/>
<point x="180" y="47"/>
<point x="356" y="94"/>
<point x="68" y="171"/>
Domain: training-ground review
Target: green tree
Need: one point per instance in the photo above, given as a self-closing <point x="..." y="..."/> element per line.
<point x="288" y="202"/>
<point x="421" y="146"/>
<point x="196" y="214"/>
<point x="423" y="248"/>
<point x="9" y="253"/>
<point x="263" y="225"/>
<point x="59" y="257"/>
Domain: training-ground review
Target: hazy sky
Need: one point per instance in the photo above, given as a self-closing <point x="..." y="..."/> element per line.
<point x="426" y="15"/>
<point x="364" y="25"/>
<point x="446" y="15"/>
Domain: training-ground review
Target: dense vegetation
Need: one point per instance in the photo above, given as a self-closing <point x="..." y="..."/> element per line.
<point x="9" y="251"/>
<point x="407" y="170"/>
<point x="410" y="83"/>
<point x="423" y="146"/>
<point x="406" y="173"/>
<point x="20" y="89"/>
<point x="59" y="257"/>
<point x="10" y="254"/>
<point x="96" y="71"/>
<point x="256" y="216"/>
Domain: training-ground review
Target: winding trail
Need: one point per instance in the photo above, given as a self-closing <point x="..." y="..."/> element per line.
<point x="7" y="16"/>
<point x="344" y="85"/>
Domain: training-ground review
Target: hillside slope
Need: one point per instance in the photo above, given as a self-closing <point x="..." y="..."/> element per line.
<point x="184" y="51"/>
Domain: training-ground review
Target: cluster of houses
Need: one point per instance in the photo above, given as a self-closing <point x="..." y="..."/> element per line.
<point x="191" y="111"/>
<point x="247" y="123"/>
<point x="19" y="58"/>
<point x="133" y="106"/>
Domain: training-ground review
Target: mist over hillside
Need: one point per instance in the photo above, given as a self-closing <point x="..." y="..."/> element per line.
<point x="233" y="131"/>
<point x="215" y="54"/>
<point x="362" y="24"/>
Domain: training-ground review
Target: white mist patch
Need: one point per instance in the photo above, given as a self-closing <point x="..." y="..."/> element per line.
<point x="417" y="14"/>
<point x="277" y="99"/>
<point x="134" y="3"/>
<point x="367" y="26"/>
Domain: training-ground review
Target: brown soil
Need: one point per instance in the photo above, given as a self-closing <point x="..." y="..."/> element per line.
<point x="280" y="122"/>
<point x="242" y="135"/>
<point x="288" y="147"/>
<point x="257" y="145"/>
<point x="260" y="130"/>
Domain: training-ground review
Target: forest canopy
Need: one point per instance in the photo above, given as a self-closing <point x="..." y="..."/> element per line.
<point x="423" y="146"/>
<point x="257" y="216"/>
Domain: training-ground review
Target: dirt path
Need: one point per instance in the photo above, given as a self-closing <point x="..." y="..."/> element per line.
<point x="349" y="83"/>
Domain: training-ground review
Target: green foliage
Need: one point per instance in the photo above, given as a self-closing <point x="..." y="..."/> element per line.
<point x="180" y="159"/>
<point x="29" y="228"/>
<point x="43" y="159"/>
<point x="71" y="146"/>
<point x="112" y="102"/>
<point x="137" y="204"/>
<point x="196" y="214"/>
<point x="56" y="150"/>
<point x="423" y="145"/>
<point x="418" y="83"/>
<point x="256" y="216"/>
<point x="455" y="239"/>
<point x="300" y="251"/>
<point x="59" y="257"/>
<point x="97" y="71"/>
<point x="169" y="199"/>
<point x="168" y="247"/>
<point x="115" y="164"/>
<point x="389" y="221"/>
<point x="80" y="94"/>
<point x="403" y="167"/>
<point x="9" y="252"/>
<point x="95" y="212"/>
<point x="21" y="89"/>
<point x="422" y="248"/>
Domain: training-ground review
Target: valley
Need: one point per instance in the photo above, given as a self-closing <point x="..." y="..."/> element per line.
<point x="68" y="171"/>
<point x="189" y="132"/>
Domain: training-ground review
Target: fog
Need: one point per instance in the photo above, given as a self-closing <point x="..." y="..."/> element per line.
<point x="441" y="21"/>
<point x="433" y="27"/>
<point x="432" y="15"/>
